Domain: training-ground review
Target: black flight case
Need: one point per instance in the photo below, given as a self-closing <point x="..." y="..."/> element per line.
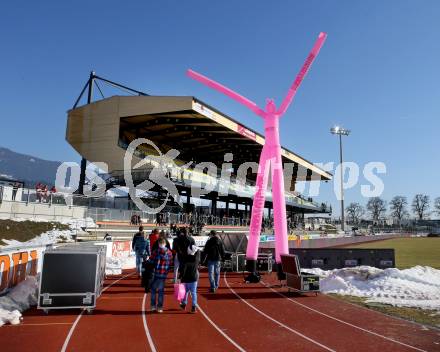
<point x="72" y="276"/>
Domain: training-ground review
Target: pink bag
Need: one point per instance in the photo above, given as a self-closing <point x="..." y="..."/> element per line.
<point x="179" y="291"/>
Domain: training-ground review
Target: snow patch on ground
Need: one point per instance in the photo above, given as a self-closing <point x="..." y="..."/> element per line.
<point x="74" y="224"/>
<point x="18" y="299"/>
<point x="49" y="237"/>
<point x="52" y="236"/>
<point x="78" y="224"/>
<point x="115" y="265"/>
<point x="417" y="287"/>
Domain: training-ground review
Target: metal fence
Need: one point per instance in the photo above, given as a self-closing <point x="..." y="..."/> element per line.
<point x="100" y="209"/>
<point x="108" y="209"/>
<point x="165" y="218"/>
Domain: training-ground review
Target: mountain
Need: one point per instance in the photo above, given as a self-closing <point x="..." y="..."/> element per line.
<point x="27" y="168"/>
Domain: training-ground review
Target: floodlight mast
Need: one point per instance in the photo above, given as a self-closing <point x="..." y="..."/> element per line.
<point x="270" y="158"/>
<point x="341" y="132"/>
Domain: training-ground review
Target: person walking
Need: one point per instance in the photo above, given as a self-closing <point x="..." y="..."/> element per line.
<point x="38" y="187"/>
<point x="156" y="244"/>
<point x="154" y="236"/>
<point x="180" y="247"/>
<point x="189" y="276"/>
<point x="214" y="254"/>
<point x="161" y="260"/>
<point x="177" y="245"/>
<point x="15" y="188"/>
<point x="141" y="246"/>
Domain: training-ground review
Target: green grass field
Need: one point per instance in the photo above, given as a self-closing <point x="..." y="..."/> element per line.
<point x="425" y="317"/>
<point x="410" y="251"/>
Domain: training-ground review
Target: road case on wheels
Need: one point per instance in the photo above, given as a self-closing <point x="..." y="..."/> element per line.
<point x="297" y="280"/>
<point x="264" y="262"/>
<point x="234" y="262"/>
<point x="72" y="276"/>
<point x="238" y="262"/>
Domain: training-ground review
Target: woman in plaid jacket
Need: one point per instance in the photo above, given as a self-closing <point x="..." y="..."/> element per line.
<point x="161" y="260"/>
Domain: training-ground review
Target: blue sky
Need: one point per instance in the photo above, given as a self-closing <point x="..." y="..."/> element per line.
<point x="378" y="73"/>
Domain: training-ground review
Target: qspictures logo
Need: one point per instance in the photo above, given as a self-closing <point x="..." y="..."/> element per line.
<point x="159" y="175"/>
<point x="148" y="171"/>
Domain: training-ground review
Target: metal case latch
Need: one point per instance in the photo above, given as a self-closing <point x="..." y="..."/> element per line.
<point x="88" y="298"/>
<point x="46" y="299"/>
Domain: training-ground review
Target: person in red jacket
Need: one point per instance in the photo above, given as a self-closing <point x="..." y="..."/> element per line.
<point x="154" y="236"/>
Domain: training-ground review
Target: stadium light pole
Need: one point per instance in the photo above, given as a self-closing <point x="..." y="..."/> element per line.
<point x="338" y="130"/>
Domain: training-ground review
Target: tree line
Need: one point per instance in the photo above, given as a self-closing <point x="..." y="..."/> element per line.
<point x="398" y="208"/>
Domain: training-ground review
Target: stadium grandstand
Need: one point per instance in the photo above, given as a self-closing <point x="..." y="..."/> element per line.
<point x="101" y="131"/>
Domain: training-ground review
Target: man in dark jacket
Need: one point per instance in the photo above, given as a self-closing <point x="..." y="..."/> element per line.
<point x="141" y="247"/>
<point x="147" y="274"/>
<point x="214" y="253"/>
<point x="181" y="244"/>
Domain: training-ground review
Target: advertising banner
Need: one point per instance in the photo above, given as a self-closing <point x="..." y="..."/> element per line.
<point x="17" y="263"/>
<point x="121" y="249"/>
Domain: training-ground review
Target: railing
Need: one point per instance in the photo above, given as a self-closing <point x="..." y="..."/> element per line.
<point x="113" y="209"/>
<point x="165" y="218"/>
<point x="32" y="196"/>
<point x="118" y="209"/>
<point x="186" y="178"/>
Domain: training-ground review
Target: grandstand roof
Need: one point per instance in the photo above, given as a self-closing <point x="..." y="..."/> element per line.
<point x="198" y="131"/>
<point x="203" y="133"/>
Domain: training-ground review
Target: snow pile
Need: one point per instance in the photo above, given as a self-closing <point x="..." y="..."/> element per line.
<point x="79" y="224"/>
<point x="49" y="237"/>
<point x="417" y="287"/>
<point x="18" y="299"/>
<point x="129" y="262"/>
<point x="74" y="224"/>
<point x="52" y="236"/>
<point x="115" y="265"/>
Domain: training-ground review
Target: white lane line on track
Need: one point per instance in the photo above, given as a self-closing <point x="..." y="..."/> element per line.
<point x="107" y="287"/>
<point x="274" y="320"/>
<point x="241" y="349"/>
<point x="147" y="331"/>
<point x="342" y="321"/>
<point x="69" y="335"/>
<point x="72" y="329"/>
<point x="35" y="324"/>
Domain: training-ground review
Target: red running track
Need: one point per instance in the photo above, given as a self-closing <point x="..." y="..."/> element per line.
<point x="239" y="317"/>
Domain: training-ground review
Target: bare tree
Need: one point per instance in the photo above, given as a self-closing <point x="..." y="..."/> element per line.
<point x="354" y="212"/>
<point x="398" y="208"/>
<point x="420" y="205"/>
<point x="376" y="206"/>
<point x="437" y="205"/>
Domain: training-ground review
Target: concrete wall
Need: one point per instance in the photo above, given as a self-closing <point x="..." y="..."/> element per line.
<point x="38" y="211"/>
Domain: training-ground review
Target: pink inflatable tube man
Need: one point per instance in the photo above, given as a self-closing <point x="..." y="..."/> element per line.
<point x="270" y="158"/>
